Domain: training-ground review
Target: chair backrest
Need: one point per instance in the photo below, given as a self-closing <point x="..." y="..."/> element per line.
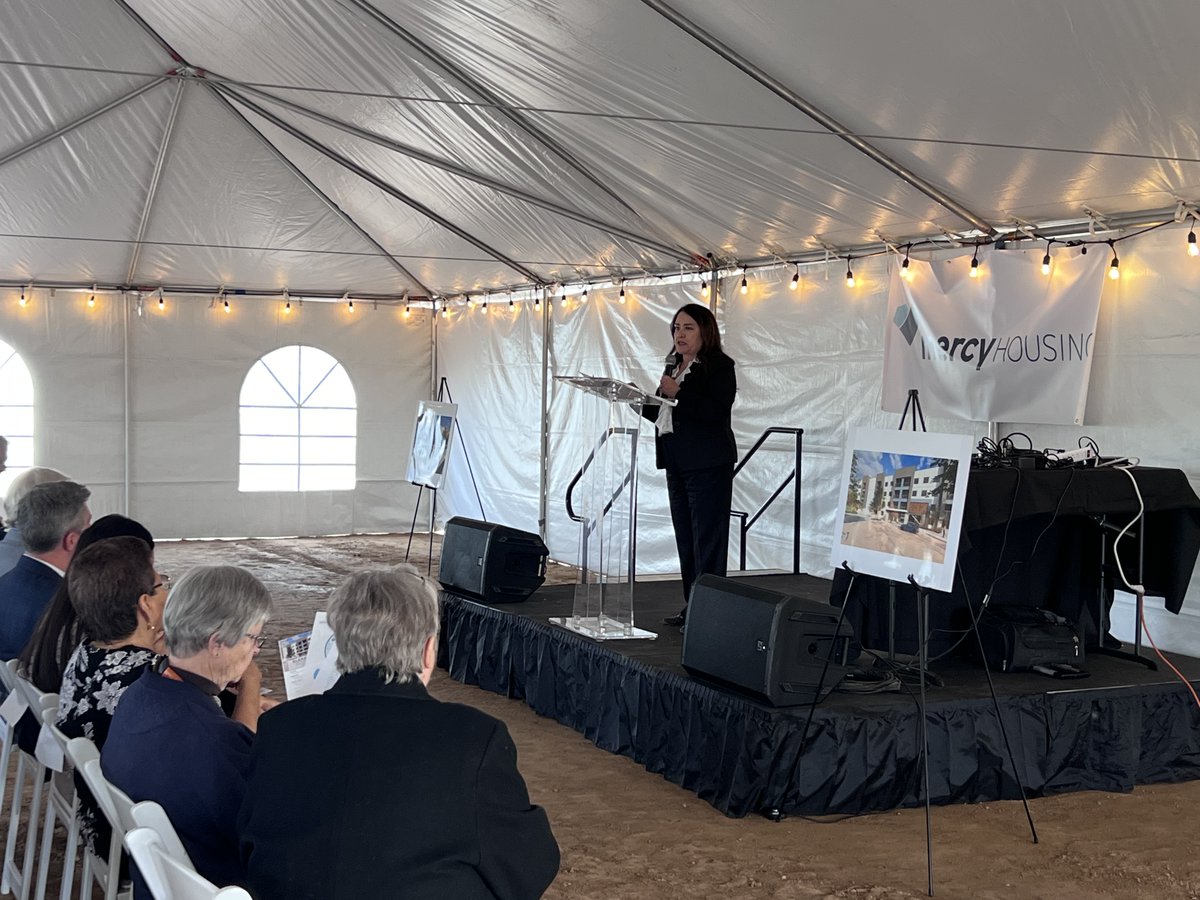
<point x="8" y="674"/>
<point x="103" y="792"/>
<point x="169" y="879"/>
<point x="149" y="814"/>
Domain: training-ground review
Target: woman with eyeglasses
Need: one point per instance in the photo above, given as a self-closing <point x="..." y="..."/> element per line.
<point x="118" y="597"/>
<point x="171" y="743"/>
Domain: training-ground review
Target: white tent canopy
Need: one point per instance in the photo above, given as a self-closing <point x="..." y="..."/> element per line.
<point x="403" y="153"/>
<point x="436" y="148"/>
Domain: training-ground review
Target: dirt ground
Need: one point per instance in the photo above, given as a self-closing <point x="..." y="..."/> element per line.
<point x="626" y="833"/>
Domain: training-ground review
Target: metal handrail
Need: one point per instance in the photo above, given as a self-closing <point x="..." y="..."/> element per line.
<point x="591" y="457"/>
<point x="746" y="520"/>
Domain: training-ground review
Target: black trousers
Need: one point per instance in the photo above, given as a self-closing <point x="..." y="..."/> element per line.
<point x="700" y="502"/>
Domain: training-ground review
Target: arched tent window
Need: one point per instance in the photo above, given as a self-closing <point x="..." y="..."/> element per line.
<point x="299" y="421"/>
<point x="16" y="411"/>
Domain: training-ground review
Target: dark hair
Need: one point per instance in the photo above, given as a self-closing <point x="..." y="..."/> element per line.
<point x="710" y="337"/>
<point x="106" y="581"/>
<point x="59" y="630"/>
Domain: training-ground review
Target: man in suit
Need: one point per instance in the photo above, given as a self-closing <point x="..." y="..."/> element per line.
<point x="375" y="789"/>
<point x="11" y="547"/>
<point x="50" y="518"/>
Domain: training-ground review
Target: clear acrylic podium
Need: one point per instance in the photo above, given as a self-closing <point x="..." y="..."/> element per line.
<point x="602" y="498"/>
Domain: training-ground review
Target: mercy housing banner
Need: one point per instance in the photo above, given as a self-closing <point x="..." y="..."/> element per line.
<point x="1012" y="345"/>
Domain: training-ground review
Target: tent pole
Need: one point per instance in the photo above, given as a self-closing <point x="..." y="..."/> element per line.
<point x="152" y="190"/>
<point x="82" y="120"/>
<point x="468" y="174"/>
<point x="544" y="450"/>
<point x="125" y="398"/>
<point x="818" y="115"/>
<point x="351" y="166"/>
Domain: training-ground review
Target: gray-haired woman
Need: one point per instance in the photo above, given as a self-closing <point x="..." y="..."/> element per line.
<point x="170" y="742"/>
<point x="378" y="756"/>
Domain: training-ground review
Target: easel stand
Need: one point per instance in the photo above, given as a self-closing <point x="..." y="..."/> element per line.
<point x="913" y="415"/>
<point x="443" y="396"/>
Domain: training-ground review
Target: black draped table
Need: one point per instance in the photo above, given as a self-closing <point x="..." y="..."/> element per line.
<point x="1037" y="537"/>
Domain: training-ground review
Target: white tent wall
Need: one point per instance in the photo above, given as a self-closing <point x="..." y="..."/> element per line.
<point x="186" y="366"/>
<point x="812" y="358"/>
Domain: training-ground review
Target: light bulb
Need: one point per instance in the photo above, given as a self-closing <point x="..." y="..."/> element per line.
<point x="1193" y="249"/>
<point x="704" y="289"/>
<point x="227" y="307"/>
<point x="483" y="307"/>
<point x="621" y="296"/>
<point x="1046" y="263"/>
<point x="470" y="303"/>
<point x="445" y="312"/>
<point x="350" y="306"/>
<point x="287" y="308"/>
<point x="1114" y="270"/>
<point x="92" y="301"/>
<point x="974" y="266"/>
<point x="583" y="296"/>
<point x="162" y="304"/>
<point x="407" y="311"/>
<point x="745" y="287"/>
<point x="795" y="281"/>
<point x="537" y="304"/>
<point x="23" y="301"/>
<point x="849" y="276"/>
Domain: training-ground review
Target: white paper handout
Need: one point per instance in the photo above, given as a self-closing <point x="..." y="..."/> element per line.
<point x="309" y="660"/>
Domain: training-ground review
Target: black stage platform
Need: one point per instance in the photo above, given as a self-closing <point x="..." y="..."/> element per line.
<point x="1125" y="725"/>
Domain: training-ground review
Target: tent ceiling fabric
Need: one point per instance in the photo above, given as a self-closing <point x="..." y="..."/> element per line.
<point x="462" y="146"/>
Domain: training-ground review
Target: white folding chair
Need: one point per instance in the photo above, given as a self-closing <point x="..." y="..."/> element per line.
<point x="62" y="805"/>
<point x="169" y="878"/>
<point x="117" y="810"/>
<point x="8" y="679"/>
<point x="19" y="880"/>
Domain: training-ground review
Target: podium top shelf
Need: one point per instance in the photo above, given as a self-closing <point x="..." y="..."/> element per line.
<point x="612" y="390"/>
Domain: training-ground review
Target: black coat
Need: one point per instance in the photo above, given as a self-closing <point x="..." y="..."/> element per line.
<point x="702" y="435"/>
<point x="377" y="791"/>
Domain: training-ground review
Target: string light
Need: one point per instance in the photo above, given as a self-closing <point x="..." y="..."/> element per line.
<point x="349" y="306"/>
<point x="795" y="279"/>
<point x="745" y="288"/>
<point x="849" y="274"/>
<point x="162" y="303"/>
<point x="23" y="301"/>
<point x="226" y="304"/>
<point x="621" y="296"/>
<point x="1193" y="250"/>
<point x="483" y="307"/>
<point x="287" y="303"/>
<point x="703" y="288"/>
<point x="445" y="310"/>
<point x="583" y="296"/>
<point x="905" y="271"/>
<point x="975" y="263"/>
<point x="1114" y="267"/>
<point x="511" y="308"/>
<point x="470" y="302"/>
<point x="537" y="303"/>
<point x="407" y="311"/>
<point x="1046" y="260"/>
<point x="92" y="298"/>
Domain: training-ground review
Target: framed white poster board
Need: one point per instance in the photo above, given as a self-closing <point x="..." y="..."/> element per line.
<point x="431" y="443"/>
<point x="901" y="505"/>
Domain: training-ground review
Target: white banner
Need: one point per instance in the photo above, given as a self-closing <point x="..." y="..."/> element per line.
<point x="1010" y="345"/>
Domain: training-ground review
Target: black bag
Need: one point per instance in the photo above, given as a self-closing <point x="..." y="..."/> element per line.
<point x="1024" y="638"/>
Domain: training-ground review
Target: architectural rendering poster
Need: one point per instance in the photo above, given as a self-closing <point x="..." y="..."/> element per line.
<point x="900" y="507"/>
<point x="431" y="443"/>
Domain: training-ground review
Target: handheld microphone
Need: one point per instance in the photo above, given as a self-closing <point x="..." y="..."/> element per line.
<point x="672" y="362"/>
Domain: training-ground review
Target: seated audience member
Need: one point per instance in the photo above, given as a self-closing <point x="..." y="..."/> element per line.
<point x="171" y="743"/>
<point x="59" y="632"/>
<point x="119" y="598"/>
<point x="51" y="518"/>
<point x="11" y="547"/>
<point x="375" y="790"/>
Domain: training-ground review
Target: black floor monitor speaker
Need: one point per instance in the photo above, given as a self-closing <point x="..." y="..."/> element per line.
<point x="772" y="645"/>
<point x="493" y="562"/>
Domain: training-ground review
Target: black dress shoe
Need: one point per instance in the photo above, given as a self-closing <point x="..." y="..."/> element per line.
<point x="677" y="620"/>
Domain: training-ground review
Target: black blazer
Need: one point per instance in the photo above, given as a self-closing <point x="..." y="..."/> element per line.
<point x="377" y="791"/>
<point x="702" y="435"/>
<point x="25" y="591"/>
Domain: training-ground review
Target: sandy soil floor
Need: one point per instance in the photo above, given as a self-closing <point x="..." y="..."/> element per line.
<point x="626" y="833"/>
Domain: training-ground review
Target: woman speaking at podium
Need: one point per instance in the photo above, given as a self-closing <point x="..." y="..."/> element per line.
<point x="694" y="443"/>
